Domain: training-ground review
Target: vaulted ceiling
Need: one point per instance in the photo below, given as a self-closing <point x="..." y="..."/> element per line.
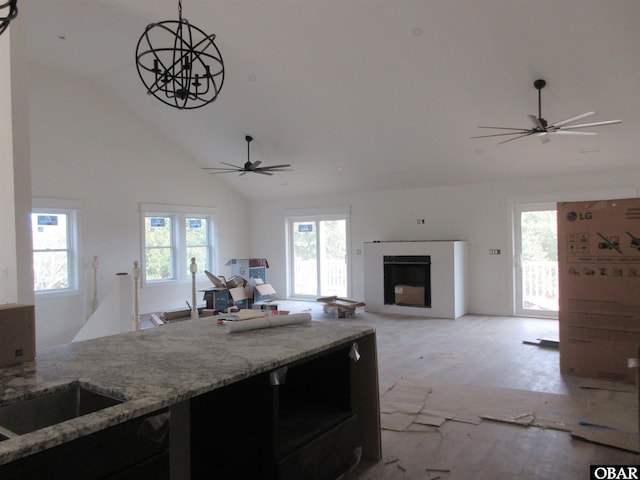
<point x="364" y="95"/>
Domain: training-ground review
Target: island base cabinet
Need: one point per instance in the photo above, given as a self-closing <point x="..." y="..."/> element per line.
<point x="123" y="452"/>
<point x="295" y="422"/>
<point x="326" y="457"/>
<point x="232" y="432"/>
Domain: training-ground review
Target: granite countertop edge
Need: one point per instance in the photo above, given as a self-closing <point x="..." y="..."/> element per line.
<point x="167" y="373"/>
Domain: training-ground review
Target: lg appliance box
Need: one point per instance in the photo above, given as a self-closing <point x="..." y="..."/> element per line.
<point x="17" y="334"/>
<point x="599" y="275"/>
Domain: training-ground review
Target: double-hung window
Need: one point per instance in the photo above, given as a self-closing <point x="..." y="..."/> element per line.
<point x="172" y="236"/>
<point x="55" y="265"/>
<point x="197" y="241"/>
<point x="159" y="248"/>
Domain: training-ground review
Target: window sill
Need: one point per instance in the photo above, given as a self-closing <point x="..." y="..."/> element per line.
<point x="57" y="293"/>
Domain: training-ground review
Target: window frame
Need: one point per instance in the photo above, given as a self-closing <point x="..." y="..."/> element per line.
<point x="179" y="215"/>
<point x="545" y="198"/>
<point x="71" y="209"/>
<point x="314" y="215"/>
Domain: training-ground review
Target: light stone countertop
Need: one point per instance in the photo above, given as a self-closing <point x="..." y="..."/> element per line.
<point x="156" y="368"/>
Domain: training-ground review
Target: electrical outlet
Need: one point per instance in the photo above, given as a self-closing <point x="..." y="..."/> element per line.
<point x="494" y="251"/>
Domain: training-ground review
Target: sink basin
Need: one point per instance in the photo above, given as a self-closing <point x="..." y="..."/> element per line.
<point x="70" y="401"/>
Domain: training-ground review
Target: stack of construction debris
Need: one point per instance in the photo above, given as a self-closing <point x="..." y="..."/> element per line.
<point x="340" y="307"/>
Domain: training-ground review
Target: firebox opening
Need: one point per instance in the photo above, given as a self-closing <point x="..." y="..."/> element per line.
<point x="407" y="280"/>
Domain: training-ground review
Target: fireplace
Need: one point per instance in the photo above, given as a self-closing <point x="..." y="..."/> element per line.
<point x="407" y="280"/>
<point x="441" y="271"/>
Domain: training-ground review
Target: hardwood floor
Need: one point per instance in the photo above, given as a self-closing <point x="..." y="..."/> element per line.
<point x="483" y="351"/>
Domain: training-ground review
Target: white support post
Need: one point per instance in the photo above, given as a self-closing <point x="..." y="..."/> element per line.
<point x="193" y="268"/>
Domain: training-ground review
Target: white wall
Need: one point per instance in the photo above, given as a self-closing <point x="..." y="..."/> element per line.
<point x="8" y="263"/>
<point x="86" y="146"/>
<point x="476" y="213"/>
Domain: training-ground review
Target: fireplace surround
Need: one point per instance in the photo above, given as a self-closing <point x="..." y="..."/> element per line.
<point x="443" y="283"/>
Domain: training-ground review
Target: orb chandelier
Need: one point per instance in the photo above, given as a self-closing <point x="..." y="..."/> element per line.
<point x="8" y="11"/>
<point x="180" y="64"/>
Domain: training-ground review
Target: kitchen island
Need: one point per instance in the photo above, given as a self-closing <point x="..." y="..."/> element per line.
<point x="261" y="403"/>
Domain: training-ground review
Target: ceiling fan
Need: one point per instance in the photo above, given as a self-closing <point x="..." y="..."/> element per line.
<point x="542" y="129"/>
<point x="253" y="167"/>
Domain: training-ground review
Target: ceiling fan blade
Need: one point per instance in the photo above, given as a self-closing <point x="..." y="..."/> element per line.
<point x="231" y="165"/>
<point x="271" y="167"/>
<point x="515" y="138"/>
<point x="276" y="170"/>
<point x="572" y="119"/>
<point x="224" y="171"/>
<point x="593" y="124"/>
<point x="508" y="128"/>
<point x="571" y="132"/>
<point x="262" y="172"/>
<point x="521" y="132"/>
<point x="255" y="164"/>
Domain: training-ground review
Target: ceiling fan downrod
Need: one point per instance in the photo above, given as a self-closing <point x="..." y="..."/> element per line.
<point x="247" y="165"/>
<point x="539" y="85"/>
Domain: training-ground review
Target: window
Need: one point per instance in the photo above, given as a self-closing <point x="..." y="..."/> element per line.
<point x="54" y="250"/>
<point x="197" y="241"/>
<point x="159" y="248"/>
<point x="171" y="238"/>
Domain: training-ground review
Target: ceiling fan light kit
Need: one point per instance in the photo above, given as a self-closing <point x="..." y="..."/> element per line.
<point x="180" y="64"/>
<point x="249" y="166"/>
<point x="542" y="129"/>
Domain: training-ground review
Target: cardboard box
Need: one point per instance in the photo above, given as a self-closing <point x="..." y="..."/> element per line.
<point x="409" y="295"/>
<point x="236" y="281"/>
<point x="263" y="292"/>
<point x="267" y="307"/>
<point x="242" y="296"/>
<point x="599" y="276"/>
<point x="217" y="298"/>
<point x="338" y="312"/>
<point x="249" y="268"/>
<point x="17" y="334"/>
<point x="221" y="282"/>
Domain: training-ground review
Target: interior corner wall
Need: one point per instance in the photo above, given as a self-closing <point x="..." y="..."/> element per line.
<point x="478" y="214"/>
<point x="21" y="161"/>
<point x="88" y="147"/>
<point x="8" y="262"/>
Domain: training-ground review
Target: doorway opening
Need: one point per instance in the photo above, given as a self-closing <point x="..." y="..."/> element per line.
<point x="318" y="262"/>
<point x="536" y="260"/>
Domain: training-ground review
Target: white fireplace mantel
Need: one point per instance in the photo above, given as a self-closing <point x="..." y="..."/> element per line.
<point x="448" y="277"/>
